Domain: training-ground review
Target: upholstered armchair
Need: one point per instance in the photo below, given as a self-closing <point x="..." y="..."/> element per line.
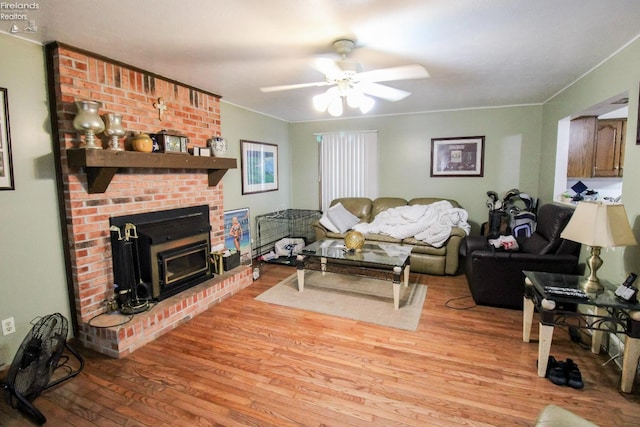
<point x="495" y="277"/>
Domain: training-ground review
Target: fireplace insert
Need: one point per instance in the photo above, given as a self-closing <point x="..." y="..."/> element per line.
<point x="161" y="253"/>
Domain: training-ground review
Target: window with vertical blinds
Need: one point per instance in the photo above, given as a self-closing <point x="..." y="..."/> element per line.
<point x="348" y="165"/>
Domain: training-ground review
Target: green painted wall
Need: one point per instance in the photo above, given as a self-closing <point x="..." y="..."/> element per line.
<point x="620" y="73"/>
<point x="512" y="150"/>
<point x="32" y="273"/>
<point x="241" y="124"/>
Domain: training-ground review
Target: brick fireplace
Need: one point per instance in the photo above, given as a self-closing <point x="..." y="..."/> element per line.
<point x="75" y="74"/>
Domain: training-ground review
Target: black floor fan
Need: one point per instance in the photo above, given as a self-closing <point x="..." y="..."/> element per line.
<point x="39" y="356"/>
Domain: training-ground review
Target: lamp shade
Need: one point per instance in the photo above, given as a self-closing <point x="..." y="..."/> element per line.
<point x="599" y="224"/>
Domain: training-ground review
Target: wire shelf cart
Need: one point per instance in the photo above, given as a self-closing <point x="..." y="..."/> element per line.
<point x="289" y="223"/>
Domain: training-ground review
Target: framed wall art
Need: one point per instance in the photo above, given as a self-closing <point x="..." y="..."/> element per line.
<point x="259" y="163"/>
<point x="6" y="163"/>
<point x="237" y="233"/>
<point x="460" y="156"/>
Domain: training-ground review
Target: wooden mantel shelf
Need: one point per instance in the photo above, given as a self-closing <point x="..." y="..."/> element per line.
<point x="102" y="165"/>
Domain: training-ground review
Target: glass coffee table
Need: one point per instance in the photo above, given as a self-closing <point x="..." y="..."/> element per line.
<point x="386" y="261"/>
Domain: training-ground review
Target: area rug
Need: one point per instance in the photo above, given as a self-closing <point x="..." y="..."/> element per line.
<point x="353" y="297"/>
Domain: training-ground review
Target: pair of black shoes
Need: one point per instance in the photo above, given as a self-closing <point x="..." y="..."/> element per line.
<point x="564" y="373"/>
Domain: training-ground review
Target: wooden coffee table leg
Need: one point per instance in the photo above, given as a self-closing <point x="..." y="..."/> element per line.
<point x="300" y="272"/>
<point x="396" y="287"/>
<point x="406" y="275"/>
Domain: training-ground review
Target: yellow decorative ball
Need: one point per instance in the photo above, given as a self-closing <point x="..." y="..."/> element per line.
<point x="354" y="240"/>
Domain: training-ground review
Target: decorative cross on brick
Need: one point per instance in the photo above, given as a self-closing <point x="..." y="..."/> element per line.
<point x="161" y="107"/>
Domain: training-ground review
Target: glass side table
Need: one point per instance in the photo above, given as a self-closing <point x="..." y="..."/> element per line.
<point x="610" y="314"/>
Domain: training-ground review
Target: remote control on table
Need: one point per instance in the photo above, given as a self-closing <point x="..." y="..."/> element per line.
<point x="566" y="292"/>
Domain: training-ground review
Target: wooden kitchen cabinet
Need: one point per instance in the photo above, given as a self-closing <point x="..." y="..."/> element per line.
<point x="582" y="135"/>
<point x="608" y="156"/>
<point x="596" y="147"/>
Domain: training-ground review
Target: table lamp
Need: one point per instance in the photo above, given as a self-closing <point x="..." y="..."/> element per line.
<point x="598" y="225"/>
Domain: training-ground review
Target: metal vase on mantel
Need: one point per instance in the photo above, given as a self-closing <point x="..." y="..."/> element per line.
<point x="114" y="130"/>
<point x="88" y="122"/>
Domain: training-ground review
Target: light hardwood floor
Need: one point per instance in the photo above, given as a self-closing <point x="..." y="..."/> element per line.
<point x="245" y="362"/>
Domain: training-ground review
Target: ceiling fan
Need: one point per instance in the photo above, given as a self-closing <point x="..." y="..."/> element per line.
<point x="351" y="84"/>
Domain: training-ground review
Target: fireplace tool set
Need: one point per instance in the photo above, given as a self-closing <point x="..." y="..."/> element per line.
<point x="127" y="287"/>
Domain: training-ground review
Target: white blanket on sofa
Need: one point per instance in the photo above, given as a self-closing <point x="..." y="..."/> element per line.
<point x="431" y="224"/>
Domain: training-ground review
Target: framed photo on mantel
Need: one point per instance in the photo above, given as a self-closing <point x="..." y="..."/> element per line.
<point x="462" y="156"/>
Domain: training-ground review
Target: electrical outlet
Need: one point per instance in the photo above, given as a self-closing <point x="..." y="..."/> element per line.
<point x="8" y="326"/>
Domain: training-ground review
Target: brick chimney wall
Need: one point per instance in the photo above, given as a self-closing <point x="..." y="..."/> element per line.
<point x="73" y="75"/>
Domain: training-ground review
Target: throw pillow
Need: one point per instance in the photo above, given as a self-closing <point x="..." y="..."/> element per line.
<point x="326" y="223"/>
<point x="341" y="217"/>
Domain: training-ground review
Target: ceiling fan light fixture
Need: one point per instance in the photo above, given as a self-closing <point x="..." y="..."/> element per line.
<point x="333" y="101"/>
<point x="354" y="98"/>
<point x="321" y="102"/>
<point x="366" y="104"/>
<point x="335" y="106"/>
<point x="357" y="99"/>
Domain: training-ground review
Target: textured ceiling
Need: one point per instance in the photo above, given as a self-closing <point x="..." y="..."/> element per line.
<point x="479" y="53"/>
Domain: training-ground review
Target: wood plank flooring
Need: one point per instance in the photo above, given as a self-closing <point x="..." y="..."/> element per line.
<point x="248" y="363"/>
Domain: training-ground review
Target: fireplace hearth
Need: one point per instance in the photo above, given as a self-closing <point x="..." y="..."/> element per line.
<point x="159" y="254"/>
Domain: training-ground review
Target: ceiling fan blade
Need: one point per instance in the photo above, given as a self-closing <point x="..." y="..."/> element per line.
<point x="384" y="92"/>
<point x="403" y="72"/>
<point x="294" y="86"/>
